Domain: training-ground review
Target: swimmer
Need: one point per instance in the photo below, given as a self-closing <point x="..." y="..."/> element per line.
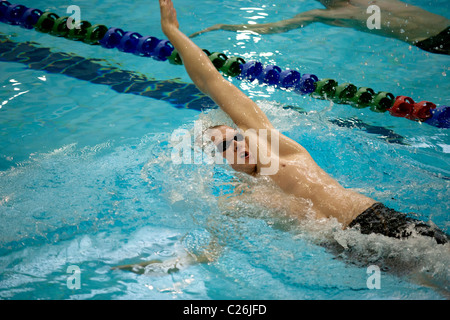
<point x="298" y="176"/>
<point x="405" y="22"/>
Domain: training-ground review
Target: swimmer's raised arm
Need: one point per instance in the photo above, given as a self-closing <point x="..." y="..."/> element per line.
<point x="243" y="111"/>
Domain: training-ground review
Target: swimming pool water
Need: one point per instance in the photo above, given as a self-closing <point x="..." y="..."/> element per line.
<point x="87" y="179"/>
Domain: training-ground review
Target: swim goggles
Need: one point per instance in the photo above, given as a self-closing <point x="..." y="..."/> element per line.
<point x="222" y="147"/>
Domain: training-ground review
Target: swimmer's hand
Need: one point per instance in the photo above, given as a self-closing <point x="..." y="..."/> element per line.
<point x="259" y="29"/>
<point x="169" y="20"/>
<point x="214" y="27"/>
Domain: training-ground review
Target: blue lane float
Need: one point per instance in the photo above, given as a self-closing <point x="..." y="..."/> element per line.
<point x="129" y="42"/>
<point x="250" y="70"/>
<point x="112" y="38"/>
<point x="271" y="75"/>
<point x="440" y="117"/>
<point x="289" y="79"/>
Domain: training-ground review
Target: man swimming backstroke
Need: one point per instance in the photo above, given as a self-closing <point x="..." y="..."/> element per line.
<point x="297" y="174"/>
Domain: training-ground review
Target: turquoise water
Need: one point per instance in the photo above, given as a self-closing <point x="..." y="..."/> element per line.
<point x="87" y="178"/>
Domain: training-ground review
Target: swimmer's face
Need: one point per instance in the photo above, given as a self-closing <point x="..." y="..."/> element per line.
<point x="233" y="147"/>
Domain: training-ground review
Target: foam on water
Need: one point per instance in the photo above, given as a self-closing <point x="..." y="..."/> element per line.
<point x="108" y="205"/>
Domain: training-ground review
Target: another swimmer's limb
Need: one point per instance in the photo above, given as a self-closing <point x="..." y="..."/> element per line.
<point x="157" y="267"/>
<point x="138" y="268"/>
<point x="299" y="21"/>
<point x="183" y="260"/>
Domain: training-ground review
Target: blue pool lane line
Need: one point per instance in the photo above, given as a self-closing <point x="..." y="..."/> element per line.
<point x="177" y="93"/>
<point x="147" y="46"/>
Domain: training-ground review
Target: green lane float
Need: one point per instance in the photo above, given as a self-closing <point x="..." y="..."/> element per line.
<point x="363" y="97"/>
<point x="175" y="58"/>
<point x="46" y="22"/>
<point x="79" y="32"/>
<point x="345" y="92"/>
<point x="325" y="88"/>
<point x="95" y="33"/>
<point x="232" y="66"/>
<point x="60" y="28"/>
<point x="382" y="101"/>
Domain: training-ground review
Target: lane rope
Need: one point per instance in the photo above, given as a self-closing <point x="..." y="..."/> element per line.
<point x="271" y="75"/>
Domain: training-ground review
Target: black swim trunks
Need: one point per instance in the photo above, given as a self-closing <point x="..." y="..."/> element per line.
<point x="383" y="220"/>
<point x="439" y="43"/>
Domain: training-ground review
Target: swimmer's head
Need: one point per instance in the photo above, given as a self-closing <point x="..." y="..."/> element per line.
<point x="234" y="148"/>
